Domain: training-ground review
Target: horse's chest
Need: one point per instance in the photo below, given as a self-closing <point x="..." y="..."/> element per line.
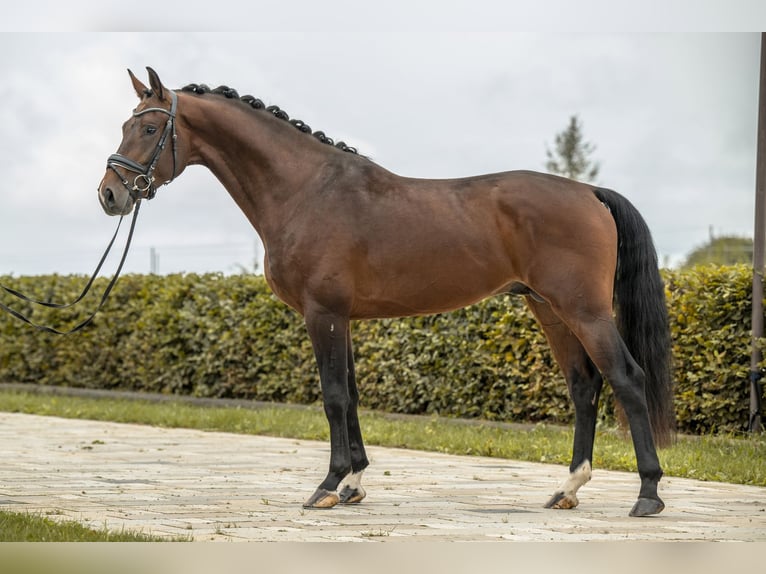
<point x="282" y="282"/>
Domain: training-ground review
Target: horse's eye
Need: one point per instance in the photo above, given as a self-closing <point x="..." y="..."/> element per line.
<point x="149" y="130"/>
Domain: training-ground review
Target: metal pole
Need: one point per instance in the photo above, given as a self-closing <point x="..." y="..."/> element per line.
<point x="759" y="243"/>
<point x="154" y="261"/>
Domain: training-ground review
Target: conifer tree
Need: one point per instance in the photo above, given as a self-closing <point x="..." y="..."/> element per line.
<point x="571" y="154"/>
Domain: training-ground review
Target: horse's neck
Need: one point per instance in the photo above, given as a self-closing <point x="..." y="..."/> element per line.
<point x="262" y="161"/>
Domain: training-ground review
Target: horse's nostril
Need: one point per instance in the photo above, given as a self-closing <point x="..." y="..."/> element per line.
<point x="109" y="197"/>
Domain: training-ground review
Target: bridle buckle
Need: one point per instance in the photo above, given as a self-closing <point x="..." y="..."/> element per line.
<point x="148" y="181"/>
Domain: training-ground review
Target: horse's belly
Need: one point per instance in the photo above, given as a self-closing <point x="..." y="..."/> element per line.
<point x="424" y="294"/>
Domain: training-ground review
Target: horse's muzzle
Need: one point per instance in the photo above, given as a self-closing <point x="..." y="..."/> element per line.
<point x="115" y="203"/>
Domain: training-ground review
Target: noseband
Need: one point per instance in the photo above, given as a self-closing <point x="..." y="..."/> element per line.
<point x="143" y="184"/>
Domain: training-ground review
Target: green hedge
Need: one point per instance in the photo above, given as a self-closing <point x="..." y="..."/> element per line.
<point x="228" y="336"/>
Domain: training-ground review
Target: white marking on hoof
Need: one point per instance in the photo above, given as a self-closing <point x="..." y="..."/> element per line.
<point x="353" y="480"/>
<point x="566" y="496"/>
<point x="350" y="488"/>
<point x="580" y="476"/>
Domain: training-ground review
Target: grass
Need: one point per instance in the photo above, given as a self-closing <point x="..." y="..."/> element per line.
<point x="25" y="527"/>
<point x="714" y="458"/>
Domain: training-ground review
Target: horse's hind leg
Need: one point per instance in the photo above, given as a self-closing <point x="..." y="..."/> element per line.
<point x="598" y="334"/>
<point x="351" y="490"/>
<point x="584" y="382"/>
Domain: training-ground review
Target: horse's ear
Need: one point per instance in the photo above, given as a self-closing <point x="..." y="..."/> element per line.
<point x="156" y="84"/>
<point x="141" y="89"/>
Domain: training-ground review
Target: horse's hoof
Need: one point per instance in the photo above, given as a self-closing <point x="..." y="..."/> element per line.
<point x="322" y="499"/>
<point x="349" y="495"/>
<point x="647" y="507"/>
<point x="562" y="501"/>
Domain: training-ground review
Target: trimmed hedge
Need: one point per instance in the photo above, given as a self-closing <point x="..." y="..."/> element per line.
<point x="228" y="336"/>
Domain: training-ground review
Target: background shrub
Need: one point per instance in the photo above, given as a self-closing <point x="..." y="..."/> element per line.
<point x="228" y="336"/>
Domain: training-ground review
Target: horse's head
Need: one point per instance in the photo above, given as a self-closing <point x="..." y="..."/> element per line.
<point x="148" y="155"/>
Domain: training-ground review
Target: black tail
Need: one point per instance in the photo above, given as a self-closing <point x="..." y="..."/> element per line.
<point x="642" y="315"/>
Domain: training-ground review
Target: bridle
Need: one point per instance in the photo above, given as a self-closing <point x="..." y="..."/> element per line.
<point x="143" y="188"/>
<point x="143" y="184"/>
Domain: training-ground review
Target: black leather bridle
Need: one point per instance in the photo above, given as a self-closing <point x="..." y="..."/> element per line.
<point x="143" y="183"/>
<point x="143" y="188"/>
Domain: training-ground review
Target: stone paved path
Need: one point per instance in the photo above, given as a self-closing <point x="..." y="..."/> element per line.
<point x="227" y="487"/>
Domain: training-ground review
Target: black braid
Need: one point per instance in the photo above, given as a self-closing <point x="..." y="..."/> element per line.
<point x="226" y="91"/>
<point x="276" y="111"/>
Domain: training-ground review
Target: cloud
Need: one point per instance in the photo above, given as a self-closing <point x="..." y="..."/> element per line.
<point x="672" y="116"/>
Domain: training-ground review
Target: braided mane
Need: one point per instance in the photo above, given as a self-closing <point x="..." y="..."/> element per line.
<point x="276" y="111"/>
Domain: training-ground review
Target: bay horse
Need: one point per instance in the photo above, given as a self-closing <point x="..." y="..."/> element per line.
<point x="345" y="239"/>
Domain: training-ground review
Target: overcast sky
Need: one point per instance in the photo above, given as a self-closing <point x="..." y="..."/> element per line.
<point x="672" y="115"/>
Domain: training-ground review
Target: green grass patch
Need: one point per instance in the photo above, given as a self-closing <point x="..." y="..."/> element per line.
<point x="739" y="460"/>
<point x="26" y="527"/>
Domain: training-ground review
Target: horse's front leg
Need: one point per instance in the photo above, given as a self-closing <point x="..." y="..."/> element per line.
<point x="352" y="491"/>
<point x="329" y="337"/>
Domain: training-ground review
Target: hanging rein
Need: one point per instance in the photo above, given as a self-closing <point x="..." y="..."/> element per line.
<point x="142" y="188"/>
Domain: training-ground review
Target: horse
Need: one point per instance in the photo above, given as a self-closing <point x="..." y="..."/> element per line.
<point x="346" y="240"/>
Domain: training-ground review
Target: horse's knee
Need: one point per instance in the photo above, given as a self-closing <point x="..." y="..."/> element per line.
<point x="336" y="402"/>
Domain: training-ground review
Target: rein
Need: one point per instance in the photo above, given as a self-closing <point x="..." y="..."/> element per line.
<point x="108" y="289"/>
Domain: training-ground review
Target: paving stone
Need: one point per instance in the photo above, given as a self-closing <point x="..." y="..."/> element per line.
<point x="225" y="487"/>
